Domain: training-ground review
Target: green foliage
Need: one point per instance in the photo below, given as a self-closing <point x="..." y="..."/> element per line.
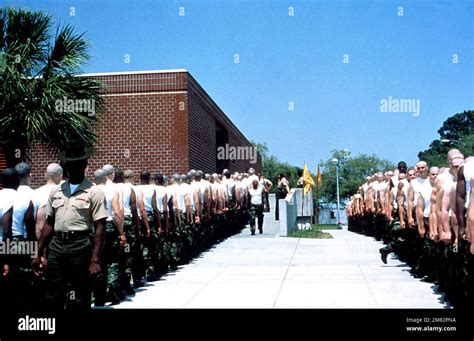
<point x="272" y="167"/>
<point x="38" y="68"/>
<point x="456" y="132"/>
<point x="352" y="173"/>
<point x="262" y="148"/>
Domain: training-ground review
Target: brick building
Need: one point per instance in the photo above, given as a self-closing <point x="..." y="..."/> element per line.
<point x="159" y="121"/>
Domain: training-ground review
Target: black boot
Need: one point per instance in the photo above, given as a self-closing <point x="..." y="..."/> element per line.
<point x="383" y="255"/>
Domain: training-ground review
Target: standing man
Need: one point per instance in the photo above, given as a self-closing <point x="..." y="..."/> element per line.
<point x="75" y="210"/>
<point x="23" y="225"/>
<point x="267" y="186"/>
<point x="397" y="198"/>
<point x="283" y="189"/>
<point x="23" y="229"/>
<point x="419" y="194"/>
<point x="447" y="183"/>
<point x="132" y="232"/>
<point x="54" y="175"/>
<point x="108" y="288"/>
<point x="256" y="206"/>
<point x="10" y="181"/>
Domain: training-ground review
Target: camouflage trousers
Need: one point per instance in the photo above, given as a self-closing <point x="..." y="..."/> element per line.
<point x="256" y="213"/>
<point x="107" y="285"/>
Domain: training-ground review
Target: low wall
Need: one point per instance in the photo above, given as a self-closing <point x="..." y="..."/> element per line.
<point x="288" y="213"/>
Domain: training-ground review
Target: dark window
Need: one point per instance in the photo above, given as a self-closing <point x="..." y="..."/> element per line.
<point x="222" y="138"/>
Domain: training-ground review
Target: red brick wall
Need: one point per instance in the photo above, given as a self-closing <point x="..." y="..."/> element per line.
<point x="144" y="126"/>
<point x="202" y="132"/>
<point x="203" y="114"/>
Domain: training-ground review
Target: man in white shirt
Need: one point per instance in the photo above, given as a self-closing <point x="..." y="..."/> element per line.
<point x="267" y="186"/>
<point x="419" y="193"/>
<point x="23" y="290"/>
<point x="256" y="206"/>
<point x="151" y="224"/>
<point x="23" y="225"/>
<point x="198" y="196"/>
<point x="161" y="199"/>
<point x="54" y="174"/>
<point x="132" y="229"/>
<point x="10" y="181"/>
<point x="114" y="241"/>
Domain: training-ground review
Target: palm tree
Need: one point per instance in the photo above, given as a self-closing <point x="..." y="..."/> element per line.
<point x="38" y="73"/>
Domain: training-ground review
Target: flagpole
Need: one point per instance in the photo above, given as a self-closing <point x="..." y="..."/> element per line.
<point x="302" y="202"/>
<point x="317" y="198"/>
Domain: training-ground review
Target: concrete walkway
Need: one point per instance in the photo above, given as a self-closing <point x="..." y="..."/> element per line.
<point x="266" y="271"/>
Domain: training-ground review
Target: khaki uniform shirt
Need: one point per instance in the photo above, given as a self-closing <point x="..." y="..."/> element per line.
<point x="76" y="211"/>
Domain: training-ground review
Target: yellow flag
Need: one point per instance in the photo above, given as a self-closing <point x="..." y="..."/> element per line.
<point x="319" y="176"/>
<point x="307" y="179"/>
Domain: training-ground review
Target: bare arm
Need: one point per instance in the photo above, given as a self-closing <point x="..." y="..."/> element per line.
<point x="389" y="206"/>
<point x="401" y="204"/>
<point x="411" y="199"/>
<point x="143" y="213"/>
<point x="40" y="220"/>
<point x="198" y="204"/>
<point x="176" y="209"/>
<point x="445" y="203"/>
<point x="118" y="213"/>
<point x="165" y="212"/>
<point x="44" y="239"/>
<point x="461" y="202"/>
<point x="433" y="215"/>
<point x="134" y="211"/>
<point x="7" y="221"/>
<point x="99" y="237"/>
<point x="156" y="212"/>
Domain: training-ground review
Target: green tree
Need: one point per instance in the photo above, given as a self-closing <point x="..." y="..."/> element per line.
<point x="262" y="148"/>
<point x="456" y="132"/>
<point x="272" y="167"/>
<point x="352" y="173"/>
<point x="38" y="69"/>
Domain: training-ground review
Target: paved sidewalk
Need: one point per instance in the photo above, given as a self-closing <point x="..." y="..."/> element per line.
<point x="266" y="271"/>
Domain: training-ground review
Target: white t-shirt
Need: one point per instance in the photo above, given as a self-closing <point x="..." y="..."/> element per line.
<point x="256" y="195"/>
<point x="109" y="190"/>
<point x="169" y="192"/>
<point x="7" y="197"/>
<point x="42" y="195"/>
<point x="126" y="194"/>
<point x="147" y="191"/>
<point x="25" y="195"/>
<point x="161" y="192"/>
<point x="422" y="187"/>
<point x="178" y="192"/>
<point x="448" y="180"/>
<point x="365" y="187"/>
<point x="230" y="183"/>
<point x="204" y="184"/>
<point x="187" y="189"/>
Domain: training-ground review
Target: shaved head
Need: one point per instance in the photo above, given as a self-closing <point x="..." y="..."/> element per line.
<point x="53" y="171"/>
<point x="100" y="176"/>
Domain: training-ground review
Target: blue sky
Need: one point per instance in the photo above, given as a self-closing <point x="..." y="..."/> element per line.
<point x="298" y="59"/>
